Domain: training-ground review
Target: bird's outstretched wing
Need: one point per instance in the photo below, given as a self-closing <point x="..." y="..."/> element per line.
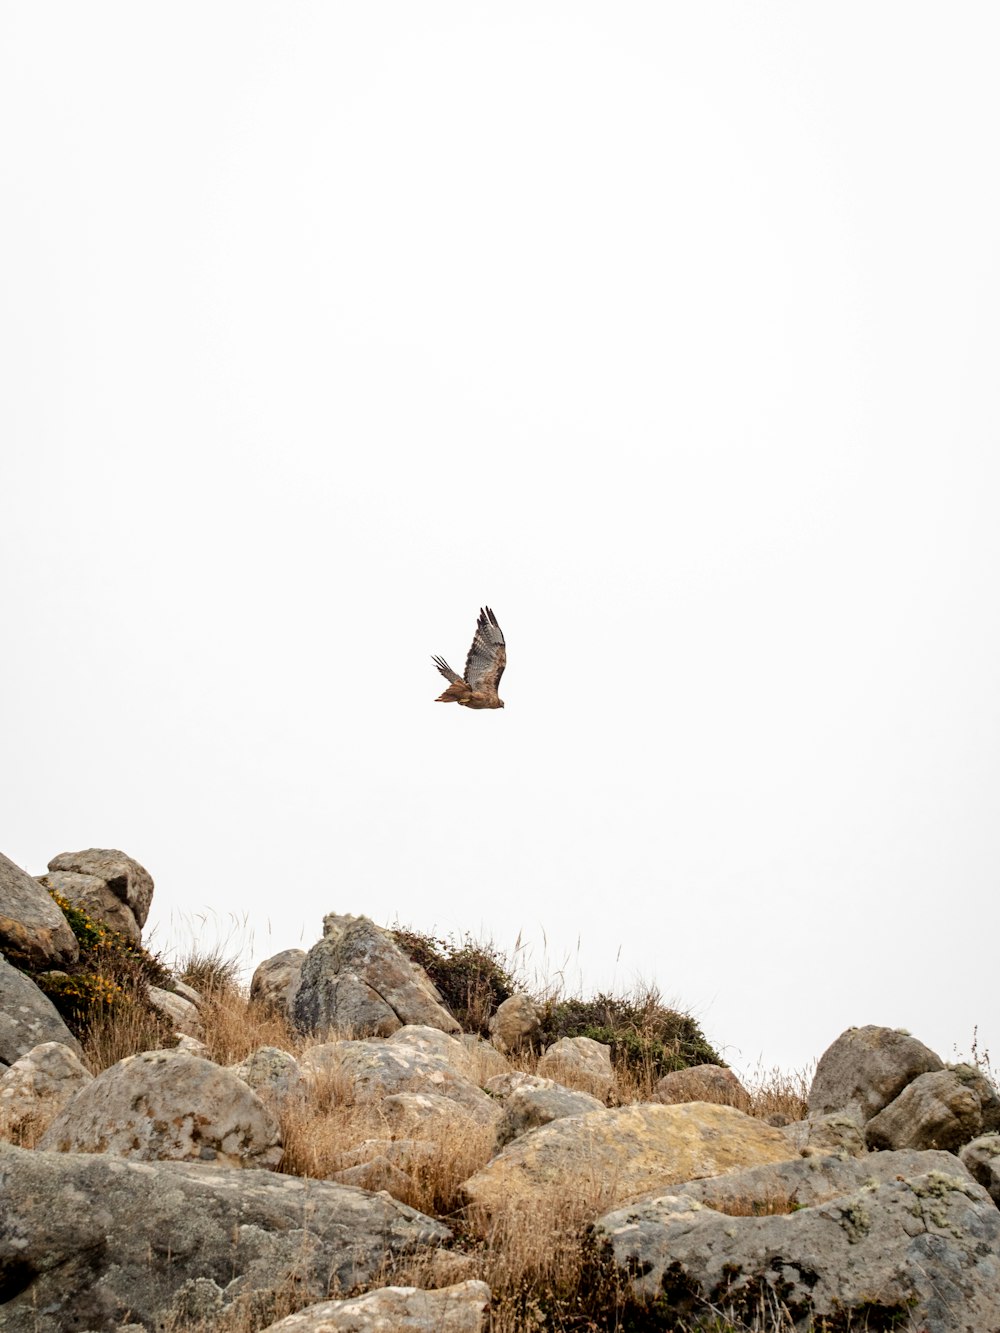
<point x="487" y="656"/>
<point x="446" y="670"/>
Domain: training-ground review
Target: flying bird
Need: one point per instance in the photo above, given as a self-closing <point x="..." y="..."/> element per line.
<point x="483" y="668"/>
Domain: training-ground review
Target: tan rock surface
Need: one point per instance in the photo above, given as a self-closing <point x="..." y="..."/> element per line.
<point x="30" y="922"/>
<point x="610" y="1156"/>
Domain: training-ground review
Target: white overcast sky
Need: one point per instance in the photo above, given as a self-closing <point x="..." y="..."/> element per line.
<point x="670" y="331"/>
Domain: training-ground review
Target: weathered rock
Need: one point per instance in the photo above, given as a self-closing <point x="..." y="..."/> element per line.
<point x="180" y="1012"/>
<point x="377" y="1174"/>
<point x="432" y="1041"/>
<point x="164" y="1105"/>
<point x="92" y="895"/>
<point x="372" y="1070"/>
<point x="580" y="1063"/>
<point x="27" y="1017"/>
<point x="457" y="1309"/>
<point x="276" y="980"/>
<point x="192" y="1046"/>
<point x="981" y="1158"/>
<point x="985" y="1090"/>
<point x="936" y="1110"/>
<point x="271" y="1073"/>
<point x="865" y="1069"/>
<point x="37" y="1086"/>
<point x="425" y="1114"/>
<point x="818" y="1136"/>
<point x="188" y="993"/>
<point x="125" y="877"/>
<point x="92" y="1241"/>
<point x="32" y="928"/>
<point x="486" y="1061"/>
<point x="515" y="1024"/>
<point x="608" y="1156"/>
<point x="527" y="1108"/>
<point x="502" y="1085"/>
<point x="921" y="1249"/>
<point x="702" y="1083"/>
<point x="357" y="981"/>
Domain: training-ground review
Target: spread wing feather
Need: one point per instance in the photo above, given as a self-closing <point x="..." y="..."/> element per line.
<point x="487" y="656"/>
<point x="446" y="670"/>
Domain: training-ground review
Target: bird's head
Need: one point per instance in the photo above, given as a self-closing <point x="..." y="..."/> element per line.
<point x="501" y="702"/>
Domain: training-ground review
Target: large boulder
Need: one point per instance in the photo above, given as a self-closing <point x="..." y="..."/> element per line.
<point x="607" y="1156"/>
<point x="820" y="1135"/>
<point x="457" y="1309"/>
<point x="166" y="1105"/>
<point x="92" y="896"/>
<point x="369" y="1071"/>
<point x="122" y="875"/>
<point x="357" y="982"/>
<point x="908" y="1246"/>
<point x="937" y="1110"/>
<point x="32" y="928"/>
<point x="276" y="980"/>
<point x="27" y="1017"/>
<point x="37" y="1086"/>
<point x="580" y="1063"/>
<point x="865" y="1069"/>
<point x="94" y="1242"/>
<point x="981" y="1158"/>
<point x="178" y="1011"/>
<point x="273" y="1074"/>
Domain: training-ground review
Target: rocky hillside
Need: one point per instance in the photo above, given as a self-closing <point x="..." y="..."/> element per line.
<point x="388" y="1134"/>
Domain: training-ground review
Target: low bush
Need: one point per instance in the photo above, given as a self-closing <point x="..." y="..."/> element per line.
<point x="473" y="978"/>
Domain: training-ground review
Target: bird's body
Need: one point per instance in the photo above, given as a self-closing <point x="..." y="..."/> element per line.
<point x="483" y="668"/>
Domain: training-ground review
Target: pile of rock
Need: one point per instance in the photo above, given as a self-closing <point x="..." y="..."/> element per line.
<point x="155" y="1195"/>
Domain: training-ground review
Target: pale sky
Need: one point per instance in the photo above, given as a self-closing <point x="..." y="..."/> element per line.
<point x="668" y="331"/>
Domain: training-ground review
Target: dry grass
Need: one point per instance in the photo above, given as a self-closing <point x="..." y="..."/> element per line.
<point x="124" y="1028"/>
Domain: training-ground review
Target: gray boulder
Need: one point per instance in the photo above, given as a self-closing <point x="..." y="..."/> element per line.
<point x="919" y="1247"/>
<point x="27" y="1017"/>
<point x="865" y="1069"/>
<point x="937" y="1110"/>
<point x="580" y="1063"/>
<point x="37" y="1086"/>
<point x="272" y="1074"/>
<point x="92" y="895"/>
<point x="92" y="1241"/>
<point x="178" y="1011"/>
<point x="528" y="1107"/>
<point x="981" y="1158"/>
<point x="457" y="1309"/>
<point x="357" y="981"/>
<point x="167" y="1105"/>
<point x="702" y="1083"/>
<point x="32" y="928"/>
<point x="276" y="980"/>
<point x="125" y="877"/>
<point x="820" y="1135"/>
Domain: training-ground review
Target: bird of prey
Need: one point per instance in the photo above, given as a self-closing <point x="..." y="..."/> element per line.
<point x="483" y="668"/>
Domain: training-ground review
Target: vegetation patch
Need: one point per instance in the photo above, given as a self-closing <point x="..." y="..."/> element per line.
<point x="473" y="978"/>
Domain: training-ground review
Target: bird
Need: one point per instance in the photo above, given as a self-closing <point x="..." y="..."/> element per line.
<point x="483" y="668"/>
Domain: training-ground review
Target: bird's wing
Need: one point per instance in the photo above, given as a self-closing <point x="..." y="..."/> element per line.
<point x="446" y="670"/>
<point x="487" y="656"/>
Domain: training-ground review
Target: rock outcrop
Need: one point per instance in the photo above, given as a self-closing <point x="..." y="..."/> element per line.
<point x="457" y="1309"/>
<point x="27" y="1017"/>
<point x="276" y="980"/>
<point x="92" y="1241"/>
<point x="32" y="928"/>
<point x="865" y="1069"/>
<point x="37" y="1086"/>
<point x="702" y="1083"/>
<point x="121" y="875"/>
<point x="580" y="1063"/>
<point x="357" y="982"/>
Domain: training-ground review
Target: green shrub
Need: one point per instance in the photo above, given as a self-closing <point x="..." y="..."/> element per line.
<point x="473" y="978"/>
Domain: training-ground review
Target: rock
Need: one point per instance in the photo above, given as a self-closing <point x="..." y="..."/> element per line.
<point x="187" y="992"/>
<point x="456" y="1309"/>
<point x="920" y="1250"/>
<point x="527" y="1108"/>
<point x="702" y="1083"/>
<point x="92" y="1241"/>
<point x="162" y="1105"/>
<point x="27" y="1017"/>
<point x="425" y="1114"/>
<point x="125" y="877"/>
<point x="372" y="1070"/>
<point x="271" y="1073"/>
<point x="432" y="1041"/>
<point x="37" y="1086"/>
<point x="818" y="1136"/>
<point x="486" y="1061"/>
<point x="581" y="1063"/>
<point x="504" y="1084"/>
<point x="867" y="1068"/>
<point x="92" y="895"/>
<point x="276" y="980"/>
<point x="192" y="1046"/>
<point x="515" y="1024"/>
<point x="357" y="981"/>
<point x="936" y="1110"/>
<point x="608" y="1156"/>
<point x="981" y="1158"/>
<point x="985" y="1090"/>
<point x="180" y="1012"/>
<point x="32" y="928"/>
